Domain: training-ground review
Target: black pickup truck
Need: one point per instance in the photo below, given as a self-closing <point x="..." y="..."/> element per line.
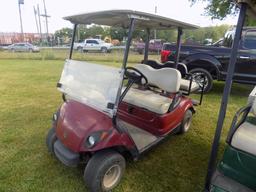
<point x="212" y="61"/>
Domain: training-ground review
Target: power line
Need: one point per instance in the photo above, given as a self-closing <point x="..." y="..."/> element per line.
<point x="35" y="13"/>
<point x="21" y="26"/>
<point x="46" y="20"/>
<point x="39" y="20"/>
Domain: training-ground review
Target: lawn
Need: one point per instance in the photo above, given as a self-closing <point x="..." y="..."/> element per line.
<point x="28" y="97"/>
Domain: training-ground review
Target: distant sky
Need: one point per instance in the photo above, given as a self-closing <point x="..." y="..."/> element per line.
<point x="176" y="9"/>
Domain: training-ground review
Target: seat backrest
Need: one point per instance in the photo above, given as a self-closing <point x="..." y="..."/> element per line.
<point x="167" y="79"/>
<point x="169" y="64"/>
<point x="181" y="67"/>
<point x="253" y="109"/>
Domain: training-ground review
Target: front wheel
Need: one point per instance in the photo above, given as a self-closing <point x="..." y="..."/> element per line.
<point x="80" y="49"/>
<point x="199" y="74"/>
<point x="104" y="50"/>
<point x="104" y="171"/>
<point x="50" y="140"/>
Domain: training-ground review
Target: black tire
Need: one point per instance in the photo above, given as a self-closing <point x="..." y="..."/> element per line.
<point x="141" y="51"/>
<point x="104" y="49"/>
<point x="99" y="165"/>
<point x="50" y="140"/>
<point x="198" y="74"/>
<point x="186" y="122"/>
<point x="80" y="49"/>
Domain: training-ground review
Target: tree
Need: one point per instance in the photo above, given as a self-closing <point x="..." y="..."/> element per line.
<point x="219" y="9"/>
<point x="63" y="35"/>
<point x="118" y="33"/>
<point x="64" y="32"/>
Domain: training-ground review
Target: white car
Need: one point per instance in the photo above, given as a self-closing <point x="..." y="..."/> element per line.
<point x="97" y="45"/>
<point x="23" y="47"/>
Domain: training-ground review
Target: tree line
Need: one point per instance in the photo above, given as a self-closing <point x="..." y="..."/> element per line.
<point x="197" y="36"/>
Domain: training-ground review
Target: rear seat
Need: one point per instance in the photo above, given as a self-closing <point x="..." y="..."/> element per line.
<point x="166" y="79"/>
<point x="183" y="70"/>
<point x="148" y="100"/>
<point x="245" y="136"/>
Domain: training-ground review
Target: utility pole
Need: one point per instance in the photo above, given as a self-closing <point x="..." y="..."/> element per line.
<point x="21" y="26"/>
<point x="35" y="13"/>
<point x="46" y="20"/>
<point x="39" y="20"/>
<point x="155" y="29"/>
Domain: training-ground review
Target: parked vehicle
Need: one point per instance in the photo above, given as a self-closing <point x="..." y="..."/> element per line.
<point x="79" y="45"/>
<point x="155" y="46"/>
<point x="236" y="172"/>
<point x="23" y="47"/>
<point x="96" y="45"/>
<point x="103" y="119"/>
<point x="212" y="61"/>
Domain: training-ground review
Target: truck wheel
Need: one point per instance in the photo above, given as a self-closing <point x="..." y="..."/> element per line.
<point x="141" y="51"/>
<point x="50" y="140"/>
<point x="104" y="171"/>
<point x="104" y="50"/>
<point x="80" y="49"/>
<point x="199" y="74"/>
<point x="186" y="122"/>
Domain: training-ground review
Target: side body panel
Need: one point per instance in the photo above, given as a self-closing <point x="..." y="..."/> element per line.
<point x="158" y="125"/>
<point x="77" y="122"/>
<point x="240" y="166"/>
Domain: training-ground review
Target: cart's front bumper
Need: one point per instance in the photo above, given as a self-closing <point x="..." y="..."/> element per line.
<point x="66" y="156"/>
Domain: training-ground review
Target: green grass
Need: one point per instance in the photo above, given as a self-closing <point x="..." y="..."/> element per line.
<point x="28" y="97"/>
<point x="62" y="54"/>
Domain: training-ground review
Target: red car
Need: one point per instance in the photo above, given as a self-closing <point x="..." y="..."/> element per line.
<point x="111" y="113"/>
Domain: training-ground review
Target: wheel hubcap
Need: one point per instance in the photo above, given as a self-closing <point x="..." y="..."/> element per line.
<point x="112" y="176"/>
<point x="199" y="78"/>
<point x="187" y="124"/>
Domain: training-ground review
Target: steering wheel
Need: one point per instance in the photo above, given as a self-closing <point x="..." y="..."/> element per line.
<point x="135" y="75"/>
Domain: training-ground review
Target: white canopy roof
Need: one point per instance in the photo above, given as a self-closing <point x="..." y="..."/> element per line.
<point x="120" y="18"/>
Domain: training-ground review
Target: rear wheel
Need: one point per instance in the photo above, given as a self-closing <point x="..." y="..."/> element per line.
<point x="80" y="49"/>
<point x="141" y="51"/>
<point x="50" y="140"/>
<point x="199" y="74"/>
<point x="104" y="50"/>
<point x="104" y="171"/>
<point x="186" y="122"/>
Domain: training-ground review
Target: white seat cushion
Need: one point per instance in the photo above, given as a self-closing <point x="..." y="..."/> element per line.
<point x="184" y="85"/>
<point x="245" y="138"/>
<point x="167" y="79"/>
<point x="148" y="100"/>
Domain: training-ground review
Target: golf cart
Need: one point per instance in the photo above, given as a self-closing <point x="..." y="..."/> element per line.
<point x="111" y="113"/>
<point x="236" y="172"/>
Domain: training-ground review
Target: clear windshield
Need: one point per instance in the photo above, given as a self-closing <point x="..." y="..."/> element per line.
<point x="92" y="84"/>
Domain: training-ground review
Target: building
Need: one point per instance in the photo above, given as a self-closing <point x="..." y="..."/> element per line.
<point x="10" y="38"/>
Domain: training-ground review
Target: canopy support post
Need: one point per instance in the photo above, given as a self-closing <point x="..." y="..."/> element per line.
<point x="128" y="43"/>
<point x="178" y="45"/>
<point x="224" y="102"/>
<point x="126" y="53"/>
<point x="72" y="41"/>
<point x="146" y="47"/>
